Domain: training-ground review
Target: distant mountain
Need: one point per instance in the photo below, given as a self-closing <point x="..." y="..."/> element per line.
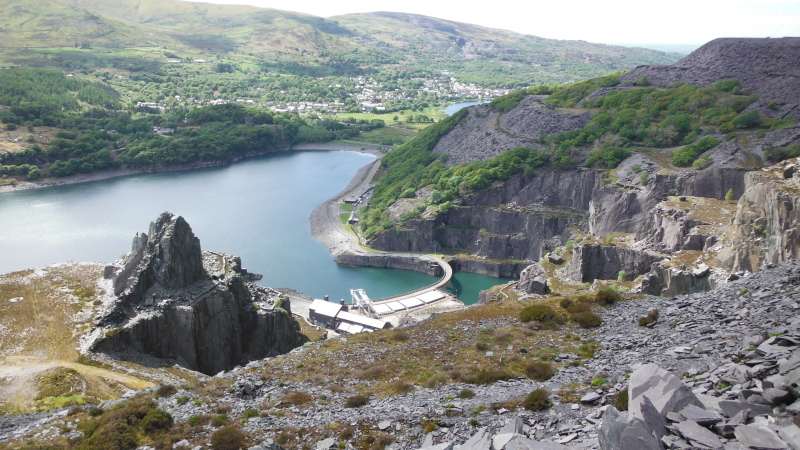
<point x="30" y="29"/>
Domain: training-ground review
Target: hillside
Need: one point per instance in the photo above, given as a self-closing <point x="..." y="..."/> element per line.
<point x="596" y="167"/>
<point x="252" y="37"/>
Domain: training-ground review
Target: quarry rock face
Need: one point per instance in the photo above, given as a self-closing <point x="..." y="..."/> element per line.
<point x="604" y="262"/>
<point x="179" y="304"/>
<point x="766" y="227"/>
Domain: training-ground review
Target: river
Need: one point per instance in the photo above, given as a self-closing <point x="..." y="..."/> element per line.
<point x="257" y="209"/>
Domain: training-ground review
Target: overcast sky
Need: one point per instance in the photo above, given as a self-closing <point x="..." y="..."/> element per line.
<point x="610" y="21"/>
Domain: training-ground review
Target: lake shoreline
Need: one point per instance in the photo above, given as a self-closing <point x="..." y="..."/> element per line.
<point x="97" y="176"/>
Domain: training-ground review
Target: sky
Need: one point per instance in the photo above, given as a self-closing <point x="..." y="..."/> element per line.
<point x="612" y="21"/>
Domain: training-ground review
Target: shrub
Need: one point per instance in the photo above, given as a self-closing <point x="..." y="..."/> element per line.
<point x="587" y="319"/>
<point x="539" y="371"/>
<point x="622" y="276"/>
<point x="298" y="398"/>
<point x="565" y="303"/>
<point x="578" y="307"/>
<point x="489" y="375"/>
<point x="356" y="401"/>
<point x="538" y="400"/>
<point x="156" y="420"/>
<point x="539" y="313"/>
<point x="219" y="420"/>
<point x="729" y="195"/>
<point x="183" y="399"/>
<point x="166" y="390"/>
<point x="252" y="412"/>
<point x="651" y="317"/>
<point x="607" y="296"/>
<point x="466" y="393"/>
<point x="228" y="438"/>
<point x="112" y="436"/>
<point x="399" y="387"/>
<point x="621" y="400"/>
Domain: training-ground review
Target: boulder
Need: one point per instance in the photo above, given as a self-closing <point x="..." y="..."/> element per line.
<point x="665" y="391"/>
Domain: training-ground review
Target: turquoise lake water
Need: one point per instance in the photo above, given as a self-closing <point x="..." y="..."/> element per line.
<point x="257" y="209"/>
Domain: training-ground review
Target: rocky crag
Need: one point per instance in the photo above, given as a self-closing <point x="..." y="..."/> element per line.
<point x="178" y="304"/>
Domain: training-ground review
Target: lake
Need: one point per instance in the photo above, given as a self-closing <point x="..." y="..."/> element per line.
<point x="455" y="107"/>
<point x="257" y="209"/>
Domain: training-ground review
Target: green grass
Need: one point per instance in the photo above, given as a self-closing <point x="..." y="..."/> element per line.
<point x="344" y="217"/>
<point x="347" y="207"/>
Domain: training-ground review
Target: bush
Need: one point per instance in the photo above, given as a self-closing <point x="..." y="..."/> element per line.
<point x="565" y="303"/>
<point x="729" y="195"/>
<point x="587" y="319"/>
<point x="228" y="438"/>
<point x="651" y="317"/>
<point x="166" y="390"/>
<point x="356" y="401"/>
<point x="219" y="420"/>
<point x="156" y="420"/>
<point x="579" y="307"/>
<point x="538" y="400"/>
<point x="112" y="436"/>
<point x="539" y="371"/>
<point x="622" y="276"/>
<point x="466" y="393"/>
<point x="621" y="400"/>
<point x="252" y="412"/>
<point x="488" y="376"/>
<point x="298" y="398"/>
<point x="539" y="313"/>
<point x="607" y="296"/>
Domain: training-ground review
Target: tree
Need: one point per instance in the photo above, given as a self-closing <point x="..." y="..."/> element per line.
<point x="729" y="195"/>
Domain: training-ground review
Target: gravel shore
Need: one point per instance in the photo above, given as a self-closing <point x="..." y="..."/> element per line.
<point x="323" y="229"/>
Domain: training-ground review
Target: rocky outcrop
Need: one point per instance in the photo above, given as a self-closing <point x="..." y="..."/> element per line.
<point x="179" y="305"/>
<point x="533" y="280"/>
<point x="665" y="280"/>
<point x="673" y="231"/>
<point x="604" y="262"/>
<point x="169" y="256"/>
<point x="766" y="227"/>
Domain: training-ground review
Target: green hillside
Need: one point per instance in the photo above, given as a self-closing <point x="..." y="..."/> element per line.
<point x="258" y="39"/>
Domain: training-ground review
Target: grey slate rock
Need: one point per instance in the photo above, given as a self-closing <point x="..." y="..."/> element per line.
<point x="777" y="396"/>
<point x="325" y="444"/>
<point x="479" y="441"/>
<point x="700" y="415"/>
<point x="656" y="424"/>
<point x="698" y="435"/>
<point x="442" y="446"/>
<point x="591" y="397"/>
<point x="610" y="433"/>
<point x="759" y="437"/>
<point x="791" y="435"/>
<point x="664" y="389"/>
<point x="731" y="407"/>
